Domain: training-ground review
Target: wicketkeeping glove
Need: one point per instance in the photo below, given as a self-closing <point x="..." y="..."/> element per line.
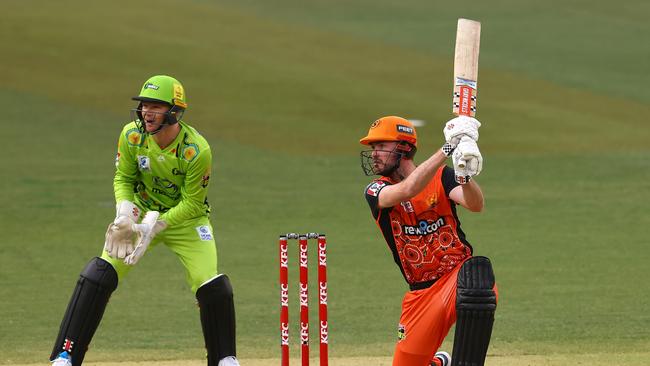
<point x="467" y="159"/>
<point x="146" y="230"/>
<point x="120" y="233"/>
<point x="461" y="126"/>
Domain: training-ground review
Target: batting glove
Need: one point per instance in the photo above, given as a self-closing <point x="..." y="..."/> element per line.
<point x="461" y="126"/>
<point x="468" y="161"/>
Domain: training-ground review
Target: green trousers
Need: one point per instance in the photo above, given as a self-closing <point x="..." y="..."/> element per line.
<point x="192" y="242"/>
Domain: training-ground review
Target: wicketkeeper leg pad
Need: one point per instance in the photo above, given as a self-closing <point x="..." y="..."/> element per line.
<point x="475" y="306"/>
<point x="96" y="283"/>
<point x="217" y="318"/>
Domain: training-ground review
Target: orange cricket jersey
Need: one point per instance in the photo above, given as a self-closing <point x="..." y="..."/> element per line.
<point x="424" y="232"/>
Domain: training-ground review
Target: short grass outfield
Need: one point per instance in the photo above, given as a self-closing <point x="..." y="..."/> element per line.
<point x="603" y="359"/>
<point x="283" y="94"/>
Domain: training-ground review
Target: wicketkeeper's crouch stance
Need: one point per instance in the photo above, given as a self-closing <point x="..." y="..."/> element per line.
<point x="415" y="209"/>
<point x="162" y="168"/>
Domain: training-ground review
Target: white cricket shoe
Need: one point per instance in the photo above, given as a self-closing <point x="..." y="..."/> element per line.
<point x="229" y="361"/>
<point x="63" y="359"/>
<point x="445" y="359"/>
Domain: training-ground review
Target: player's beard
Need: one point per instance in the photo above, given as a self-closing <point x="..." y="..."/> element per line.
<point x="387" y="167"/>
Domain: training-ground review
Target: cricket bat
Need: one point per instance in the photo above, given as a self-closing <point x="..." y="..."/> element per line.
<point x="468" y="42"/>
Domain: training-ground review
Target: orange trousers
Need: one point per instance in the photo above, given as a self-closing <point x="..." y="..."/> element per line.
<point x="427" y="316"/>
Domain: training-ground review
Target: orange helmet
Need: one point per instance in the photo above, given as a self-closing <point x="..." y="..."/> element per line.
<point x="391" y="128"/>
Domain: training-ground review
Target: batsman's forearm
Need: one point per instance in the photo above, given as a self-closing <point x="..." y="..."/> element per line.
<point x="421" y="176"/>
<point x="473" y="196"/>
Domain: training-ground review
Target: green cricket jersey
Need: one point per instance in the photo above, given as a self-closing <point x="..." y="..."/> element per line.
<point x="173" y="181"/>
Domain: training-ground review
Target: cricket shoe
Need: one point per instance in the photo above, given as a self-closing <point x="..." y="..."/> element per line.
<point x="229" y="361"/>
<point x="63" y="359"/>
<point x="443" y="357"/>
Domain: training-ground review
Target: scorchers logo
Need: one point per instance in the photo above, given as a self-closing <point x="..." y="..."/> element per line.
<point x="424" y="227"/>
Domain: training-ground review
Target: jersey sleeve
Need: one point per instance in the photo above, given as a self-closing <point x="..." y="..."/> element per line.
<point x="126" y="170"/>
<point x="372" y="195"/>
<point x="448" y="179"/>
<point x="194" y="192"/>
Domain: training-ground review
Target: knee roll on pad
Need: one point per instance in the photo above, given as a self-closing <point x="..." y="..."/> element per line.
<point x="96" y="283"/>
<point x="475" y="307"/>
<point x="217" y="318"/>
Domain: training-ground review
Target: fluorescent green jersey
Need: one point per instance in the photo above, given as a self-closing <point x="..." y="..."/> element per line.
<point x="173" y="181"/>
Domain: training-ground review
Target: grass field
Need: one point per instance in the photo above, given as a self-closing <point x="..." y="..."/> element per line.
<point x="283" y="92"/>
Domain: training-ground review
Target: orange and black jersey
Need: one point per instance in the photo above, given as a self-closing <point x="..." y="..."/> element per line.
<point x="424" y="232"/>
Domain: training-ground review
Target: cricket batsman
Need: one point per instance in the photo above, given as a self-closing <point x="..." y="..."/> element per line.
<point x="161" y="187"/>
<point x="415" y="210"/>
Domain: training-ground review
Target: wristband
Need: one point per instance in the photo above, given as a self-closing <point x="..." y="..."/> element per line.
<point x="447" y="149"/>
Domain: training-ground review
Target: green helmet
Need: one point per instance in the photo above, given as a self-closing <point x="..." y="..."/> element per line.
<point x="163" y="88"/>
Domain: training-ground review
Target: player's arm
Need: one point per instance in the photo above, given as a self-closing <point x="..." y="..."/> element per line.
<point x="126" y="170"/>
<point x="120" y="233"/>
<point x="468" y="195"/>
<point x="414" y="183"/>
<point x="193" y="192"/>
<point x="420" y="177"/>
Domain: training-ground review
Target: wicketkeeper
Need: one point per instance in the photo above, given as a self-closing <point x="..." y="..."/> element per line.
<point x="161" y="187"/>
<point x="415" y="209"/>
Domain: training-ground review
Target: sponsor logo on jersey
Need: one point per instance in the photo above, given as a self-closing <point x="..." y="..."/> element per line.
<point x="375" y="187"/>
<point x="144" y="165"/>
<point x="204" y="232"/>
<point x="165" y="187"/>
<point x="407" y="206"/>
<point x="424" y="227"/>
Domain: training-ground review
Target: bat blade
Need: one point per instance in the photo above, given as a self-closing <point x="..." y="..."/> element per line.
<point x="468" y="42"/>
<point x="465" y="86"/>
